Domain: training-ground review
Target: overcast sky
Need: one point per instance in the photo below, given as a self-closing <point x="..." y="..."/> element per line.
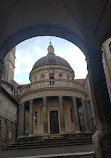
<point x="29" y="51"/>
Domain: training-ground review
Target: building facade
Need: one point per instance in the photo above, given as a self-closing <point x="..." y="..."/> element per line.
<point x="53" y="104"/>
<point x="106" y="49"/>
<point x="8" y="103"/>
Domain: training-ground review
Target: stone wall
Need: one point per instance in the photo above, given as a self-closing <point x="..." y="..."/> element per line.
<point x="8" y="118"/>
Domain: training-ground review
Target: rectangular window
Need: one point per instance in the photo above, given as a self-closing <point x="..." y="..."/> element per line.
<point x="51" y="82"/>
<point x="13" y="92"/>
<point x="18" y="91"/>
<point x="51" y="75"/>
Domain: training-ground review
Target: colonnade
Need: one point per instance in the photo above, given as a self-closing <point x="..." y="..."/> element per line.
<point x="45" y="116"/>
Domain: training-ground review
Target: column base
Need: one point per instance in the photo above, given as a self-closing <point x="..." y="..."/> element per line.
<point x="102" y="144"/>
<point x="77" y="132"/>
<point x="88" y="131"/>
<point x="21" y="136"/>
<point x="30" y="135"/>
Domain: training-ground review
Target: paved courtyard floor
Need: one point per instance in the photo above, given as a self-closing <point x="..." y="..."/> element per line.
<point x="47" y="152"/>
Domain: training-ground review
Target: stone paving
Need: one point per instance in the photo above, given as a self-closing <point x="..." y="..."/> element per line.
<point x="41" y="152"/>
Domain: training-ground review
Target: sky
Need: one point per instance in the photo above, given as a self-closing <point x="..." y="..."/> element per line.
<point x="29" y="51"/>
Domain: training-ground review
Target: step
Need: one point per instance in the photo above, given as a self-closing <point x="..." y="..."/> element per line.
<point x="90" y="154"/>
<point x="31" y="146"/>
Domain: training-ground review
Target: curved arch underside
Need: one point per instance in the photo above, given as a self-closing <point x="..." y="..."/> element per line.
<point x="84" y="23"/>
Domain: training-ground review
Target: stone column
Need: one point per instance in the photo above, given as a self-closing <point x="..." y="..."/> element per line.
<point x="45" y="116"/>
<point x="76" y="117"/>
<point x="84" y="115"/>
<point x="102" y="105"/>
<point x="90" y="116"/>
<point x="62" y="121"/>
<point x="1" y="71"/>
<point x="31" y="118"/>
<point x="22" y="120"/>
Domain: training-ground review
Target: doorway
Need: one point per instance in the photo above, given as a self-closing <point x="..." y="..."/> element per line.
<point x="54" y="123"/>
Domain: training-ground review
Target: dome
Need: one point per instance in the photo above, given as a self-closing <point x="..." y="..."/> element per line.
<point x="51" y="59"/>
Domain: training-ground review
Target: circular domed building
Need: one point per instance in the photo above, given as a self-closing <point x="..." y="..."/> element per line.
<point x="53" y="104"/>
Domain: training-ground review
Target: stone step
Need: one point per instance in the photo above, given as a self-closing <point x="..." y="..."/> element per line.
<point x="54" y="141"/>
<point x="90" y="154"/>
<point x="45" y="145"/>
<point x="34" y="142"/>
<point x="63" y="138"/>
<point x="76" y="151"/>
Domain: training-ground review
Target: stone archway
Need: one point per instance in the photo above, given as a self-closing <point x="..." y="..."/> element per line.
<point x="76" y="21"/>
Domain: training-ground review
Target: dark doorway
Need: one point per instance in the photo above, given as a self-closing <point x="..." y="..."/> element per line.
<point x="54" y="124"/>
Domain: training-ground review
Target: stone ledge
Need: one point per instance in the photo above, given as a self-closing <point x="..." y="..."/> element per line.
<point x="90" y="154"/>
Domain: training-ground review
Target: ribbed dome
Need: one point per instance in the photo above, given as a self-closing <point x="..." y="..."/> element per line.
<point x="51" y="59"/>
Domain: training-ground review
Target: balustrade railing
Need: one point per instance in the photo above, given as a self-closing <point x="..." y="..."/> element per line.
<point x="48" y="84"/>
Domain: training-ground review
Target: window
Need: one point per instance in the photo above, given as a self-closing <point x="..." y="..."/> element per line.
<point x="60" y="75"/>
<point x="51" y="75"/>
<point x="18" y="91"/>
<point x="42" y="77"/>
<point x="51" y="82"/>
<point x="80" y="110"/>
<point x="13" y="92"/>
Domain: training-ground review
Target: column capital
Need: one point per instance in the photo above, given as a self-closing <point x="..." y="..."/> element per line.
<point x="22" y="104"/>
<point x="74" y="98"/>
<point x="60" y="98"/>
<point x="31" y="101"/>
<point x="44" y="98"/>
<point x="44" y="101"/>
